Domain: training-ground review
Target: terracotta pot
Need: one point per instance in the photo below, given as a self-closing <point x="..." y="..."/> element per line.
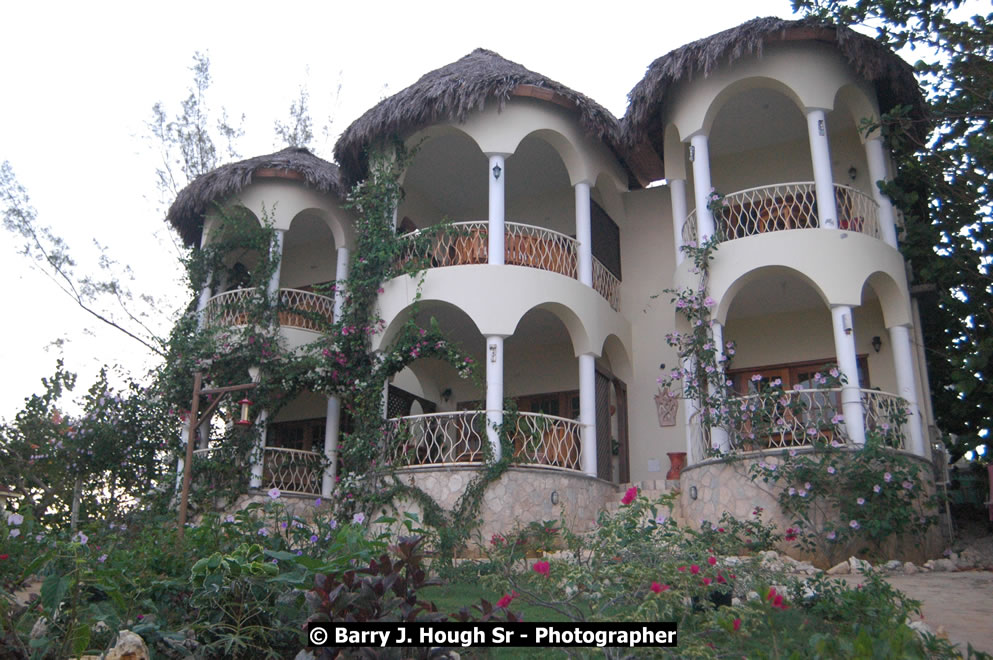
<point x="677" y="461"/>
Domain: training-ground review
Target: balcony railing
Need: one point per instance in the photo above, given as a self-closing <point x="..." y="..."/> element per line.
<point x="524" y="245"/>
<point x="802" y="418"/>
<point x="788" y="206"/>
<point x="297" y="309"/>
<point x="459" y="438"/>
<point x="292" y="470"/>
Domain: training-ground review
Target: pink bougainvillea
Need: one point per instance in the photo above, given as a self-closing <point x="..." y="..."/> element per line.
<point x="629" y="496"/>
<point x="541" y="568"/>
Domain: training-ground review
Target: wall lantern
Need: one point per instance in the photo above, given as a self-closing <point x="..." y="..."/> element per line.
<point x="496" y="172"/>
<point x="245" y="404"/>
<point x="692" y="492"/>
<point x="555" y="497"/>
<point x="877" y="343"/>
<point x="852" y="172"/>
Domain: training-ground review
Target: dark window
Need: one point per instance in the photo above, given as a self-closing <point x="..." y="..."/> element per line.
<point x="606" y="239"/>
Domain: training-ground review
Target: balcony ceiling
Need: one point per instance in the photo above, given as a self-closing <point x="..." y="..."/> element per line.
<point x="759" y="118"/>
<point x="451" y="174"/>
<point x="778" y="291"/>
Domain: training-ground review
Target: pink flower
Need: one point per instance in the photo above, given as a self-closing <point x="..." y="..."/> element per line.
<point x="707" y="581"/>
<point x="712" y="561"/>
<point x="541" y="568"/>
<point x="694" y="569"/>
<point x="629" y="496"/>
<point x="737" y="625"/>
<point x="507" y="599"/>
<point x="656" y="587"/>
<point x="887" y="477"/>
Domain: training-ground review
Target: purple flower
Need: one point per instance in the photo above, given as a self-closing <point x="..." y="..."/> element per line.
<point x="908" y="485"/>
<point x="14" y="533"/>
<point x="854" y="524"/>
<point x="263" y="531"/>
<point x="831" y="469"/>
<point x="358" y="518"/>
<point x="860" y="501"/>
<point x="333" y="524"/>
<point x="229" y="518"/>
<point x="313" y="538"/>
<point x="792" y="491"/>
<point x="102" y="558"/>
<point x="831" y="536"/>
<point x="887" y="477"/>
<point x="876" y="488"/>
<point x="807" y="485"/>
<point x="756" y="378"/>
<point x="79" y="537"/>
<point x="317" y="502"/>
<point x="274" y="493"/>
<point x="15" y="519"/>
<point x="283" y="524"/>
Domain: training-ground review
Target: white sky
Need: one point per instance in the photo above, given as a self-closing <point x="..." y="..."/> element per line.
<point x="79" y="80"/>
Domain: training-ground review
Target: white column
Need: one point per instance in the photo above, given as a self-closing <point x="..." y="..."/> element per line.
<point x="677" y="196"/>
<point x="202" y="302"/>
<point x="331" y="445"/>
<point x="700" y="155"/>
<point x="903" y="361"/>
<point x="258" y="451"/>
<point x="875" y="154"/>
<point x="587" y="412"/>
<point x="184" y="434"/>
<point x="689" y="415"/>
<point x="584" y="233"/>
<point x="820" y="156"/>
<point x="719" y="439"/>
<point x="277" y="253"/>
<point x="851" y="397"/>
<point x="494" y="391"/>
<point x="340" y="278"/>
<point x="498" y="178"/>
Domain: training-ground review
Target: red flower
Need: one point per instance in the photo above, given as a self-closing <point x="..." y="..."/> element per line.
<point x="694" y="569"/>
<point x="681" y="569"/>
<point x="541" y="567"/>
<point x="737" y="625"/>
<point x="720" y="579"/>
<point x="4" y="556"/>
<point x="707" y="581"/>
<point x="506" y="600"/>
<point x="791" y="533"/>
<point x="712" y="561"/>
<point x="656" y="587"/>
<point x="629" y="496"/>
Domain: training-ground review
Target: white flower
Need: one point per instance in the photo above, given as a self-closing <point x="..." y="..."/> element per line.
<point x="660" y="519"/>
<point x="274" y="493"/>
<point x="15" y="519"/>
<point x="358" y="518"/>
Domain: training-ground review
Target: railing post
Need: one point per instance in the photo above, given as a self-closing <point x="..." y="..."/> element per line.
<point x="903" y="363"/>
<point x="494" y="392"/>
<point x="587" y="412"/>
<point x="277" y="255"/>
<point x="700" y="155"/>
<point x="258" y="452"/>
<point x="719" y="438"/>
<point x="677" y="199"/>
<point x="498" y="178"/>
<point x="851" y="395"/>
<point x="689" y="412"/>
<point x="876" y="156"/>
<point x="820" y="156"/>
<point x="584" y="233"/>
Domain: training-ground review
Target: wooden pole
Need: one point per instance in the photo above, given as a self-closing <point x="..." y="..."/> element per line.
<point x="184" y="498"/>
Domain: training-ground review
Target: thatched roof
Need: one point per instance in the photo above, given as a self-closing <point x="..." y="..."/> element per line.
<point x="892" y="77"/>
<point x="187" y="213"/>
<point x="454" y="91"/>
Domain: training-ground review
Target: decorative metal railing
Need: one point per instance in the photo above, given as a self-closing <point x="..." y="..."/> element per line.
<point x="296" y="308"/>
<point x="436" y="438"/>
<point x="787" y="206"/>
<point x="801" y="418"/>
<point x="524" y="245"/>
<point x="459" y="438"/>
<point x="292" y="470"/>
<point x="607" y="285"/>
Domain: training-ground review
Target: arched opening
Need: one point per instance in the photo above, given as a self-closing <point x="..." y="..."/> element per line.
<point x="446" y="180"/>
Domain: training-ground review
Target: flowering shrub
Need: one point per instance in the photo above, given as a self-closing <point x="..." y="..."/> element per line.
<point x="844" y="498"/>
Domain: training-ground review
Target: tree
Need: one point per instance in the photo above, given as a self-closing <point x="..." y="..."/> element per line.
<point x="943" y="187"/>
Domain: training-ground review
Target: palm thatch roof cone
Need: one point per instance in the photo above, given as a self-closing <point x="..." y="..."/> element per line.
<point x="194" y="201"/>
<point x="892" y="77"/>
<point x="454" y="91"/>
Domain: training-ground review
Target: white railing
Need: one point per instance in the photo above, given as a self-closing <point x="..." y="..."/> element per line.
<point x="297" y="309"/>
<point x="800" y="418"/>
<point x="524" y="245"/>
<point x="547" y="440"/>
<point x="607" y="285"/>
<point x="436" y="438"/>
<point x="788" y="206"/>
<point x="459" y="438"/>
<point x="305" y="310"/>
<point x="292" y="470"/>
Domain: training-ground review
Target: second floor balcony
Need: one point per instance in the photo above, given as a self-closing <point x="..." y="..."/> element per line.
<point x="296" y="308"/>
<point x="466" y="243"/>
<point x="785" y="206"/>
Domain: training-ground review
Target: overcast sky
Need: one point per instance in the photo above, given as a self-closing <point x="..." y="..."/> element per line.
<point x="79" y="81"/>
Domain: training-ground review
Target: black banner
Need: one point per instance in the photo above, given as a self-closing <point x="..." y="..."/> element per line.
<point x="467" y="635"/>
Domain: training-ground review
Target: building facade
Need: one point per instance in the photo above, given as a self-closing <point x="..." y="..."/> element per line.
<point x="567" y="229"/>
